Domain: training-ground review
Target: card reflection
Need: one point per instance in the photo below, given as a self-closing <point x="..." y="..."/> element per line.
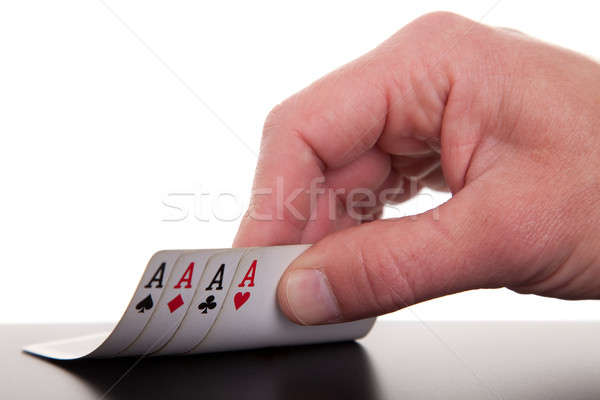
<point x="328" y="371"/>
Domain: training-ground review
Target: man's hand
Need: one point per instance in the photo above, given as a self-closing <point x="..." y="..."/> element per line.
<point x="509" y="124"/>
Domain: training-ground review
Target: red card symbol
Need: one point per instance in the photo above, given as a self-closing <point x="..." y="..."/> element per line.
<point x="175" y="303"/>
<point x="240" y="298"/>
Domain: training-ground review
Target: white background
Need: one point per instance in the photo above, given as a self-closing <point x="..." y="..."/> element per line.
<point x="106" y="108"/>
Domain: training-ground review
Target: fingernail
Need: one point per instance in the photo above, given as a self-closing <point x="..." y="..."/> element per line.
<point x="310" y="298"/>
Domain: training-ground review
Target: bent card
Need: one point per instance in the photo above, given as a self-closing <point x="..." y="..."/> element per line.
<point x="199" y="301"/>
<point x="137" y="314"/>
<point x="251" y="317"/>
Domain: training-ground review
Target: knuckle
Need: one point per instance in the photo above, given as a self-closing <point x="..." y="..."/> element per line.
<point x="280" y="116"/>
<point x="443" y="22"/>
<point x="455" y="43"/>
<point x="273" y="119"/>
<point x="440" y="18"/>
<point x="447" y="32"/>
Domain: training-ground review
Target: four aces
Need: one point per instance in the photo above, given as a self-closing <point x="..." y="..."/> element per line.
<point x="200" y="301"/>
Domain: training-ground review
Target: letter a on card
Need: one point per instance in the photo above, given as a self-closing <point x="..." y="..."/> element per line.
<point x="240" y="298"/>
<point x="249" y="275"/>
<point x="186" y="277"/>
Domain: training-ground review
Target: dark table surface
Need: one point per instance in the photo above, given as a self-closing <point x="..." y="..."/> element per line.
<point x="397" y="360"/>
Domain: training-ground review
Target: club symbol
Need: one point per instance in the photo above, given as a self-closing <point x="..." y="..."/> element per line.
<point x="208" y="304"/>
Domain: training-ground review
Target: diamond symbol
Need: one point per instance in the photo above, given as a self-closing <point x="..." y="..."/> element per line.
<point x="175" y="303"/>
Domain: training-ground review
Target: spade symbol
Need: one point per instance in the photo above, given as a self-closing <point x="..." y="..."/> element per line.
<point x="145" y="304"/>
<point x="208" y="304"/>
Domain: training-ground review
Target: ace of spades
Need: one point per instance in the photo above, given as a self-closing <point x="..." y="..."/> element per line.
<point x="173" y="304"/>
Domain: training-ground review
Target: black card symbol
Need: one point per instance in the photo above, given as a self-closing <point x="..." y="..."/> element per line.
<point x="208" y="304"/>
<point x="145" y="304"/>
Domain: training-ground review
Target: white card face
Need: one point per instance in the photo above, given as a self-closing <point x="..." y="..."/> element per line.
<point x="142" y="305"/>
<point x="207" y="302"/>
<point x="251" y="316"/>
<point x="174" y="302"/>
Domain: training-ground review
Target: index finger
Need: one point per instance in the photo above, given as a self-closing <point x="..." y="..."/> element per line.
<point x="390" y="99"/>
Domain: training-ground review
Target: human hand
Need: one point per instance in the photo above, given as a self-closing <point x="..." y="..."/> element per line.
<point x="509" y="124"/>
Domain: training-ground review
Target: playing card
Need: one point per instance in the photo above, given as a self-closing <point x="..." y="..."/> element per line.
<point x="251" y="317"/>
<point x="207" y="302"/>
<point x="71" y="348"/>
<point x="138" y="313"/>
<point x="173" y="303"/>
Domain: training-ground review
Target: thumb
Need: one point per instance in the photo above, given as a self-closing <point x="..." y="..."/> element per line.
<point x="386" y="265"/>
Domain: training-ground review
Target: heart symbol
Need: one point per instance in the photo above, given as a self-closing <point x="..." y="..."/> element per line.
<point x="240" y="298"/>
